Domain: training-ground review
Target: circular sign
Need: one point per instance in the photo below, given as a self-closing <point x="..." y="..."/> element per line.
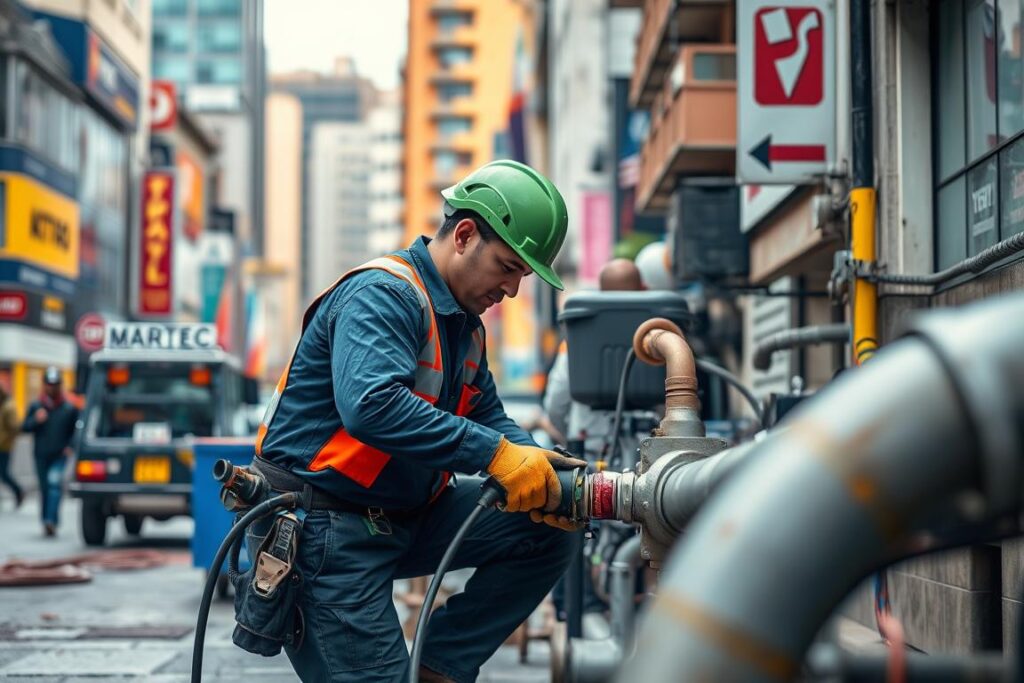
<point x="163" y="105"/>
<point x="89" y="332"/>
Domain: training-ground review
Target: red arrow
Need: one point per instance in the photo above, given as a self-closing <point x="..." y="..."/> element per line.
<point x="766" y="153"/>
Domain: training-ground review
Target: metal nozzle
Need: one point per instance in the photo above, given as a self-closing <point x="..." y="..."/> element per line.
<point x="242" y="488"/>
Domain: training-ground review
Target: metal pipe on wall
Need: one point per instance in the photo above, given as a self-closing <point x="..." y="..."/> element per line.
<point x="934" y="418"/>
<point x="802" y="336"/>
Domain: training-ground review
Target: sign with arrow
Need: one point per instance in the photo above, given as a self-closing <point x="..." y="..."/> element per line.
<point x="786" y="73"/>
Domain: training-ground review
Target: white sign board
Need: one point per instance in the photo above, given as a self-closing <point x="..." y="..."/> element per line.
<point x="787" y="90"/>
<point x="757" y="201"/>
<point x="161" y="336"/>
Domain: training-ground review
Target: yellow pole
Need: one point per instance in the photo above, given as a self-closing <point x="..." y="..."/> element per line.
<point x="865" y="292"/>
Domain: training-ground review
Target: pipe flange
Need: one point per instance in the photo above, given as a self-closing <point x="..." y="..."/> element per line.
<point x="649" y="326"/>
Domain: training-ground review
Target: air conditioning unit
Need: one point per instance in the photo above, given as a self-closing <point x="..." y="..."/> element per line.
<point x="704" y="216"/>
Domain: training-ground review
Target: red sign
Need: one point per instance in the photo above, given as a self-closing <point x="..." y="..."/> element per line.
<point x="163" y="106"/>
<point x="789" y="58"/>
<point x="156" y="244"/>
<point x="89" y="332"/>
<point x="13" y="305"/>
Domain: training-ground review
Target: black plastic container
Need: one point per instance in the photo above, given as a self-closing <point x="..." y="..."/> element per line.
<point x="599" y="329"/>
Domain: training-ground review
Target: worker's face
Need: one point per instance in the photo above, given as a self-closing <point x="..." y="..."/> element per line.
<point x="483" y="273"/>
<point x="52" y="390"/>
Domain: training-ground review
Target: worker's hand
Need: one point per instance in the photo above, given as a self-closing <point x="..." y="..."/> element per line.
<point x="563" y="523"/>
<point x="528" y="476"/>
<point x="41" y="414"/>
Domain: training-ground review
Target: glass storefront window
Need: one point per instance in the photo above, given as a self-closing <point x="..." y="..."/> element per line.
<point x="45" y="119"/>
<point x="1010" y="68"/>
<point x="949" y="82"/>
<point x="951" y="241"/>
<point x="219" y="71"/>
<point x="220" y="37"/>
<point x="103" y="210"/>
<point x="981" y="77"/>
<point x="171" y="37"/>
<point x="1011" y="207"/>
<point x="982" y="206"/>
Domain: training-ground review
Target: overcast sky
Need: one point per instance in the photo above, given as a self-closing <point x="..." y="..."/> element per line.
<point x="309" y="34"/>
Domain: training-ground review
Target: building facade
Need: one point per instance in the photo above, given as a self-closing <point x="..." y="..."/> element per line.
<point x="339" y="225"/>
<point x="384" y="213"/>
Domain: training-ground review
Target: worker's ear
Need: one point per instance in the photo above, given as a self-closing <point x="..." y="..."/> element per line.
<point x="464" y="234"/>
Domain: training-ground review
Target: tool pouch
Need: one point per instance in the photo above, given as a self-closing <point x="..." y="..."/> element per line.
<point x="267" y="614"/>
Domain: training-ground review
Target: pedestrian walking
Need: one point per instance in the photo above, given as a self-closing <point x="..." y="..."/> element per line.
<point x="9" y="428"/>
<point x="51" y="419"/>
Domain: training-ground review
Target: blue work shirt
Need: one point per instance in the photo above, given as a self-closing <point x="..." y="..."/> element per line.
<point x="365" y="337"/>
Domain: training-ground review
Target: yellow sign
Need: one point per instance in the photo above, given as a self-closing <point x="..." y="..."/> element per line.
<point x="40" y="226"/>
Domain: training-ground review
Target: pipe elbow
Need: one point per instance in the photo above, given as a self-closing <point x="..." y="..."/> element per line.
<point x="660" y="342"/>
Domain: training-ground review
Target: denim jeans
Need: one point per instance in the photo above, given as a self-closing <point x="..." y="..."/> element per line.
<point x="352" y="631"/>
<point x="50" y="474"/>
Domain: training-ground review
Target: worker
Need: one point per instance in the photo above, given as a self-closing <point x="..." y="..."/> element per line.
<point x="387" y="395"/>
<point x="571" y="418"/>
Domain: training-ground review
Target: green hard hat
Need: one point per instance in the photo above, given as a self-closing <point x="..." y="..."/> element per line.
<point x="522" y="206"/>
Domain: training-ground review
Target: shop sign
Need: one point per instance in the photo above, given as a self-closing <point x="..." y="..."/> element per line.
<point x="156" y="244"/>
<point x="163" y="106"/>
<point x="13" y="306"/>
<point x="161" y="336"/>
<point x="40" y="226"/>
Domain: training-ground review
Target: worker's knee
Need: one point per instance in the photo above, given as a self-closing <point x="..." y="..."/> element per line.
<point x="557" y="545"/>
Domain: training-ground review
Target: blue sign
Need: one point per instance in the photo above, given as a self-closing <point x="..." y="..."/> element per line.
<point x="96" y="68"/>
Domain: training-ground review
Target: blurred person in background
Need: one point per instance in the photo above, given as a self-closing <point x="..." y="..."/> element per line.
<point x="9" y="428"/>
<point x="51" y="420"/>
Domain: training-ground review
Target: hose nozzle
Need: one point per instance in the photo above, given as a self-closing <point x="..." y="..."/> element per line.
<point x="242" y="488"/>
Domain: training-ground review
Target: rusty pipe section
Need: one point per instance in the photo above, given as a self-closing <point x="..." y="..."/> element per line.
<point x="660" y="342"/>
<point x="935" y="418"/>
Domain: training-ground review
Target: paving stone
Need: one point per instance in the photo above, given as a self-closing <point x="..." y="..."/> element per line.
<point x="79" y="662"/>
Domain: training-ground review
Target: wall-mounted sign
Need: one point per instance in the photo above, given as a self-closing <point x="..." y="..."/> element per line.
<point x="90" y="331"/>
<point x="156" y="244"/>
<point x="786" y="90"/>
<point x="163" y="106"/>
<point x="40" y="225"/>
<point x="13" y="306"/>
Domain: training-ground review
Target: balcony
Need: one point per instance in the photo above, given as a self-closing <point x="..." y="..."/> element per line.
<point x="666" y="24"/>
<point x="458" y="36"/>
<point x="459" y="106"/>
<point x="463" y="143"/>
<point x="693" y="124"/>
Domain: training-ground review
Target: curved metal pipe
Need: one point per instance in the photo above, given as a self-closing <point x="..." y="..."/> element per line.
<point x="802" y="336"/>
<point x="660" y="342"/>
<point x="595" y="661"/>
<point x="851" y="479"/>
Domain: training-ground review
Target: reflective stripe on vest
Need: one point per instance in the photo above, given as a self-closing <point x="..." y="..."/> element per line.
<point x="345" y="454"/>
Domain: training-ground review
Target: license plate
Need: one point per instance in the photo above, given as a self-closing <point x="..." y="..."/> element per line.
<point x="152" y="469"/>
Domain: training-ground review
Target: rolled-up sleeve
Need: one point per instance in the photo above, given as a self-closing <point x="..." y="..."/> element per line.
<point x="375" y="335"/>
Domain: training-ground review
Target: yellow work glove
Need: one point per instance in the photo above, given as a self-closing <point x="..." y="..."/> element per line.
<point x="527" y="474"/>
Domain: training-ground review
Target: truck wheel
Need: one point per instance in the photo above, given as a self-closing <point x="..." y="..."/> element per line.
<point x="94" y="522"/>
<point x="133" y="524"/>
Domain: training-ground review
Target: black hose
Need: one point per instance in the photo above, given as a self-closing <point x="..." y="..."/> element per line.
<point x="285" y="500"/>
<point x="492" y="494"/>
<point x="620" y="404"/>
<point x="975" y="264"/>
<point x="726" y="376"/>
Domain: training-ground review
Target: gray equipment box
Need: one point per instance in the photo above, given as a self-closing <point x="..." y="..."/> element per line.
<point x="599" y="332"/>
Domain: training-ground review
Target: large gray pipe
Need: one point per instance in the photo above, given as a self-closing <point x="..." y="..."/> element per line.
<point x="838" y="333"/>
<point x="595" y="661"/>
<point x="931" y="419"/>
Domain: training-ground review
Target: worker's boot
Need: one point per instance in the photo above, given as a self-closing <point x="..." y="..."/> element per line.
<point x="428" y="676"/>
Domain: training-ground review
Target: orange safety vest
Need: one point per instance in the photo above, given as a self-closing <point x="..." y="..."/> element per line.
<point x="343" y="453"/>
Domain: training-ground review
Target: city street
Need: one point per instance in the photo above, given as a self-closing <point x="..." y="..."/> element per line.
<point x="137" y="625"/>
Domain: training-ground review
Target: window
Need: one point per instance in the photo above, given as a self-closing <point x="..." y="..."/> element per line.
<point x="219" y="71"/>
<point x="979" y="118"/>
<point x="446" y="92"/>
<point x="156" y="392"/>
<point x="177" y="69"/>
<point x="220" y="37"/>
<point x="446" y="163"/>
<point x="453" y="125"/>
<point x="710" y="66"/>
<point x="453" y="56"/>
<point x="3" y="96"/>
<point x="46" y="121"/>
<point x="448" y="22"/>
<point x="170" y="8"/>
<point x="170" y="37"/>
<point x="220" y="8"/>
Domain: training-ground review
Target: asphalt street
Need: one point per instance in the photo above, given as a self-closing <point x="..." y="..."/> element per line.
<point x="138" y="625"/>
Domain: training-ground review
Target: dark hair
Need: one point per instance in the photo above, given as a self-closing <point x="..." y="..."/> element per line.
<point x="487" y="233"/>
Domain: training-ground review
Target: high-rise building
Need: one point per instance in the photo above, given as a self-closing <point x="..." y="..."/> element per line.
<point x="341" y="96"/>
<point x="458" y="88"/>
<point x="385" y="185"/>
<point x="339" y="174"/>
<point x="213" y="51"/>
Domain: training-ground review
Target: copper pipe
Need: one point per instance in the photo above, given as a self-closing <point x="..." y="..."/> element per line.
<point x="660" y="342"/>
